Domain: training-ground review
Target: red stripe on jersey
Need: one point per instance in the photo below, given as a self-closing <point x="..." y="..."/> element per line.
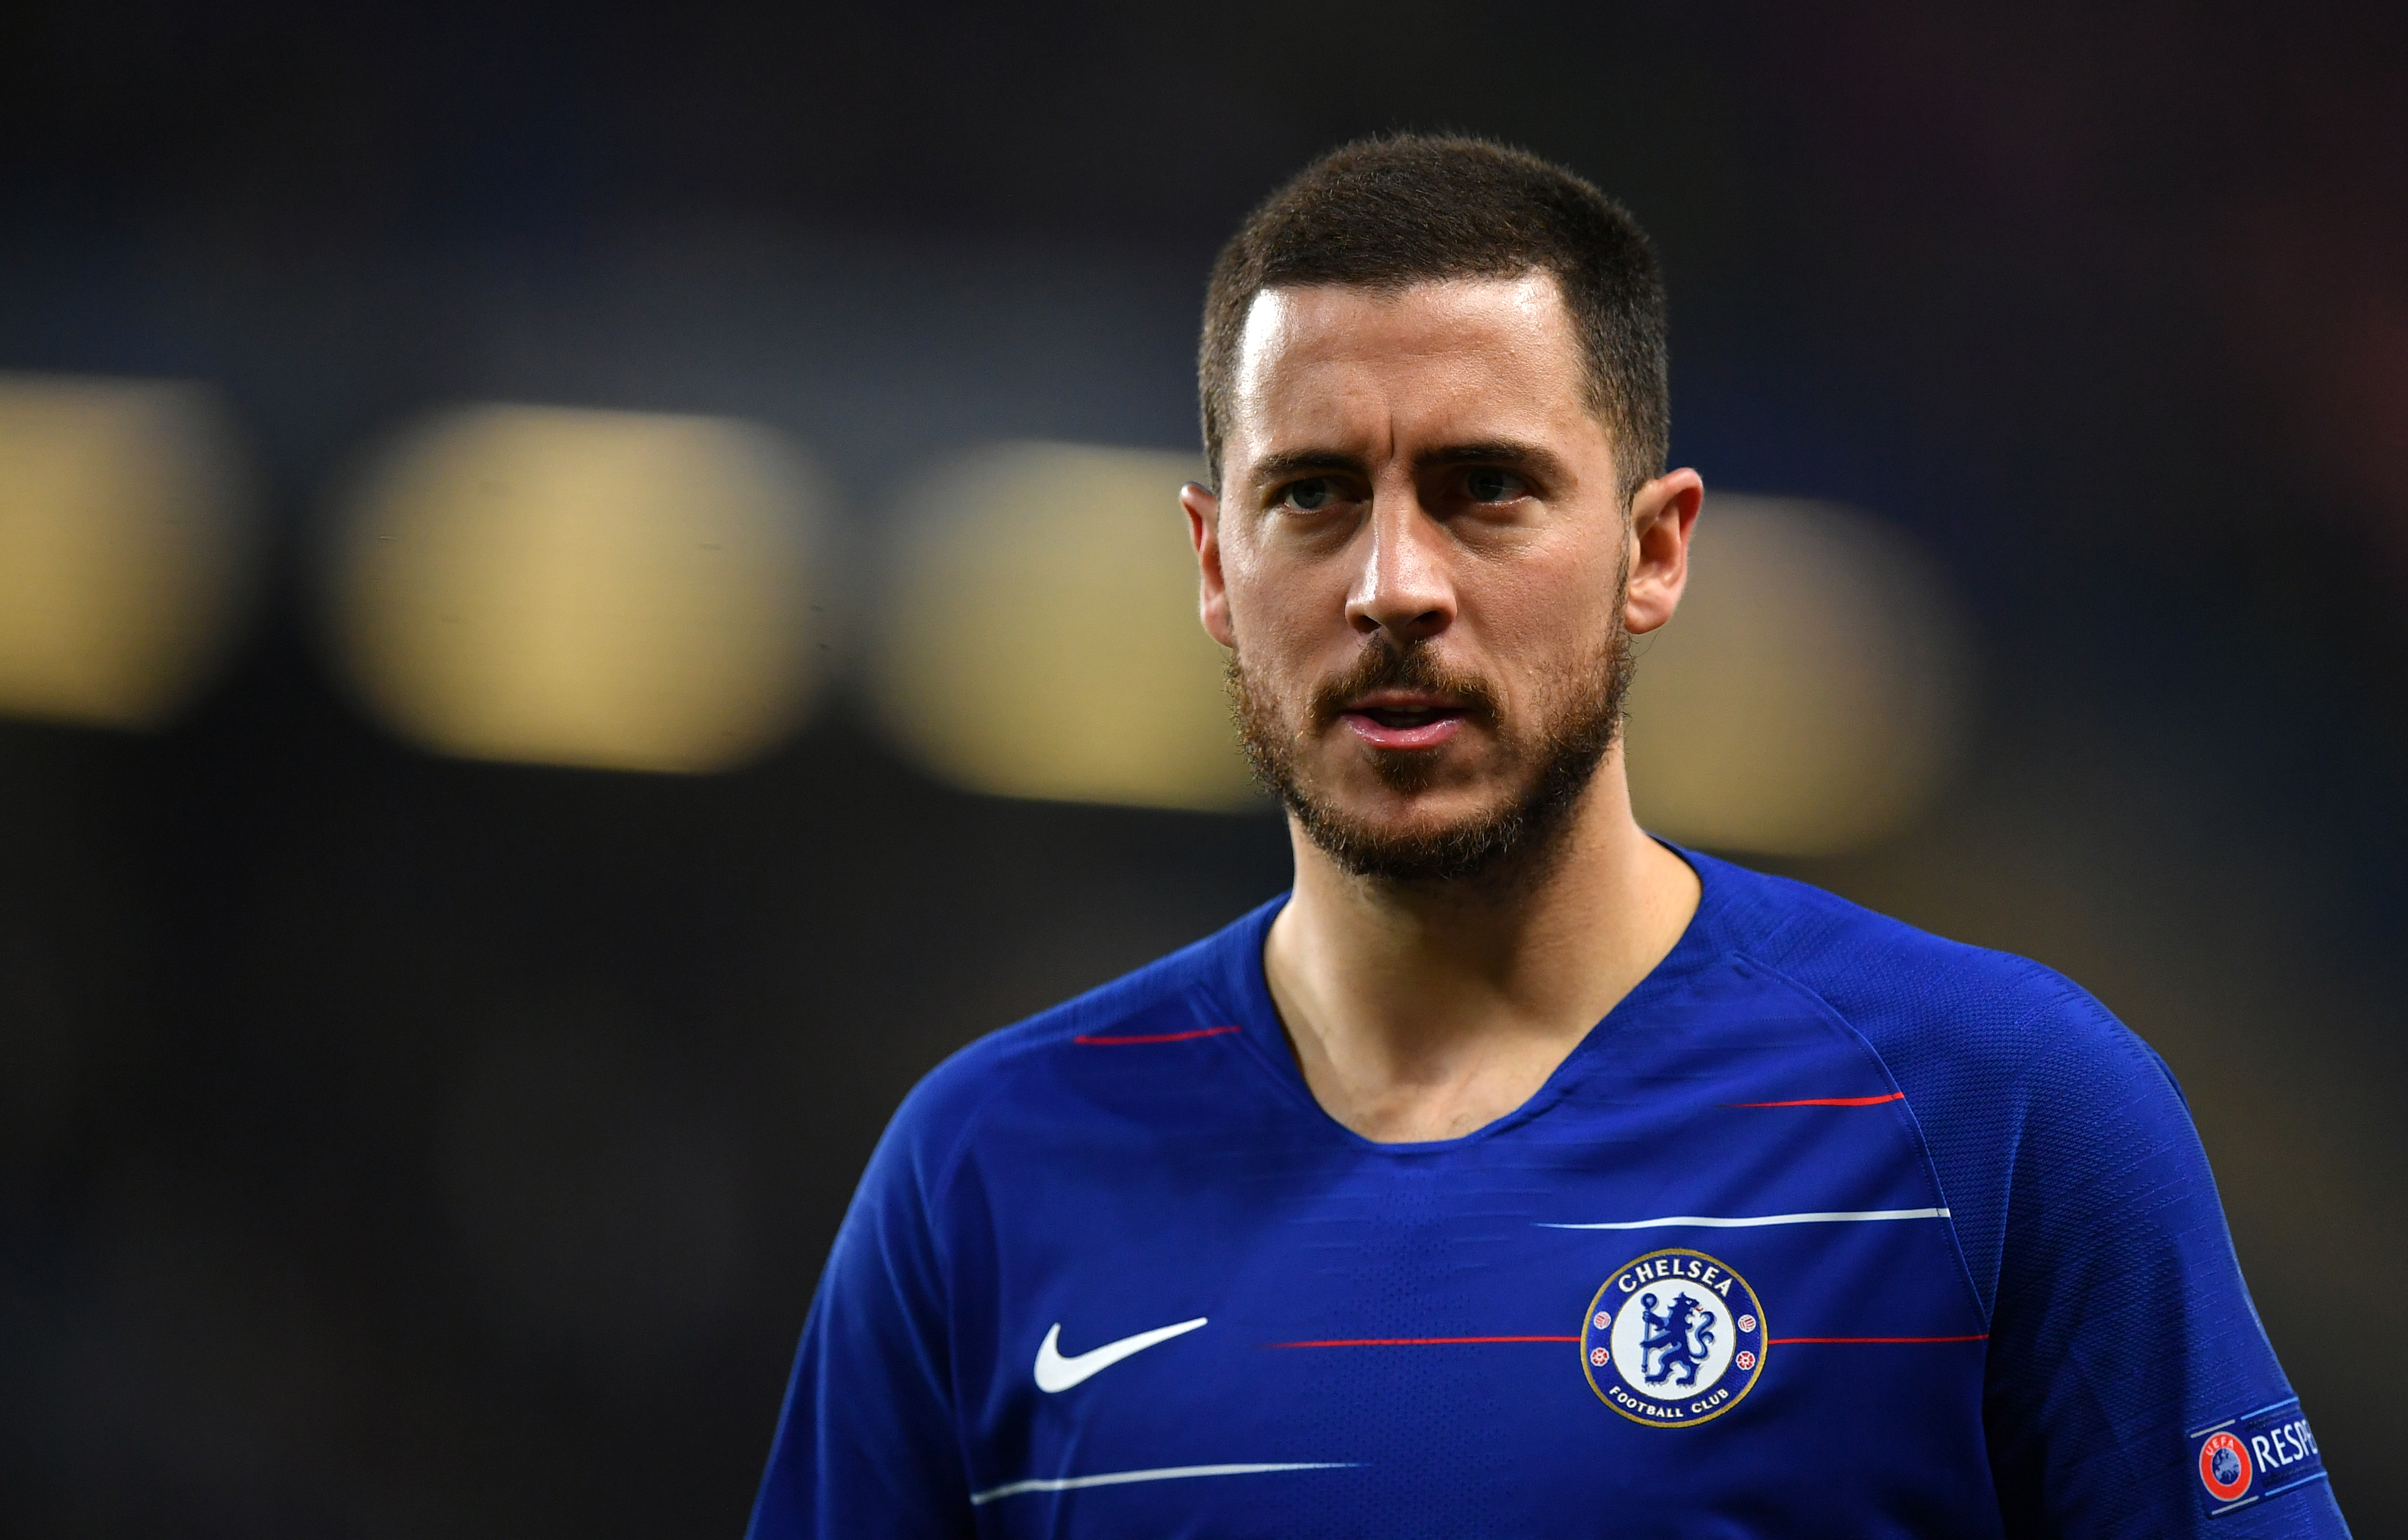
<point x="1978" y="1336"/>
<point x="1408" y="1342"/>
<point x="1109" y="1042"/>
<point x="1828" y="1101"/>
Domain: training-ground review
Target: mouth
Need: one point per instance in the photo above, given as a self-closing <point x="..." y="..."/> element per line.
<point x="1403" y="724"/>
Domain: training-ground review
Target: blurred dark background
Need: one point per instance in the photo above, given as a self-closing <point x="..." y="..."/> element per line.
<point x="393" y="1145"/>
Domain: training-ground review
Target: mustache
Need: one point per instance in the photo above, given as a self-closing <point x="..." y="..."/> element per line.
<point x="1415" y="667"/>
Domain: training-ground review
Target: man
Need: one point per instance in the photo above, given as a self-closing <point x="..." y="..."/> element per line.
<point x="1517" y="1174"/>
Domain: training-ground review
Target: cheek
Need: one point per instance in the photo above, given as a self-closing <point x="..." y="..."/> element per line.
<point x="1546" y="610"/>
<point x="1277" y="614"/>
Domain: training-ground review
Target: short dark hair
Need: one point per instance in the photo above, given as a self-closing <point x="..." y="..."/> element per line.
<point x="1386" y="213"/>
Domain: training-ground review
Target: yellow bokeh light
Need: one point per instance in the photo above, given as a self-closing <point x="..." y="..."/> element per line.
<point x="1809" y="696"/>
<point x="1040" y="638"/>
<point x="618" y="589"/>
<point x="125" y="547"/>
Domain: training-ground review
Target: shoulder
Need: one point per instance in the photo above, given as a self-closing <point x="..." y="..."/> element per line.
<point x="2031" y="1098"/>
<point x="1035" y="1070"/>
<point x="1923" y="1002"/>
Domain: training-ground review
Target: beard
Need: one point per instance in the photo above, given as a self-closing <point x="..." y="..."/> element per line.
<point x="1550" y="762"/>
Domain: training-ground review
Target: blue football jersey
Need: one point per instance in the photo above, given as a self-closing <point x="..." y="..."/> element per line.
<point x="1831" y="1228"/>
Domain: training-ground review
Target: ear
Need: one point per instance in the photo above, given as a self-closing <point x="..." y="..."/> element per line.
<point x="1662" y="516"/>
<point x="1203" y="507"/>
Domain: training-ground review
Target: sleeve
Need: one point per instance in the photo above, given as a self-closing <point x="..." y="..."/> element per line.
<point x="867" y="1444"/>
<point x="2132" y="1389"/>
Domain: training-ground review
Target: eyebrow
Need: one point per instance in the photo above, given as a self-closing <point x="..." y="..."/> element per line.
<point x="1545" y="463"/>
<point x="1279" y="467"/>
<point x="1504" y="451"/>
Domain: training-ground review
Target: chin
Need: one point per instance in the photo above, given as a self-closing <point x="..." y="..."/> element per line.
<point x="1391" y="812"/>
<point x="1467" y="819"/>
<point x="1415" y="839"/>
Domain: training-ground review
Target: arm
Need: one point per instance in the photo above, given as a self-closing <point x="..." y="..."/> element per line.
<point x="2122" y="1335"/>
<point x="867" y="1444"/>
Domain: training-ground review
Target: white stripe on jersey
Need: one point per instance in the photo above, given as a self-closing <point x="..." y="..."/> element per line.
<point x="1837" y="1217"/>
<point x="1167" y="1472"/>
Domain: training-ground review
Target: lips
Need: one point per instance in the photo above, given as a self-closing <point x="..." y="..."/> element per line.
<point x="1404" y="725"/>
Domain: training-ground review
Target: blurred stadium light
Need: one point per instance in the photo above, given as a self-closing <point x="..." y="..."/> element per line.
<point x="1040" y="637"/>
<point x="1810" y="695"/>
<point x="127" y="546"/>
<point x="615" y="590"/>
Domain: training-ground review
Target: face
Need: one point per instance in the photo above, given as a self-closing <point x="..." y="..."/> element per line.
<point x="1423" y="566"/>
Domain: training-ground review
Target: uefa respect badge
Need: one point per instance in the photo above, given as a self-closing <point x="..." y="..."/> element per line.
<point x="2258" y="1455"/>
<point x="1673" y="1339"/>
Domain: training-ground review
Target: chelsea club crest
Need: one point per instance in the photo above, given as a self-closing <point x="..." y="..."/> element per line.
<point x="1673" y="1339"/>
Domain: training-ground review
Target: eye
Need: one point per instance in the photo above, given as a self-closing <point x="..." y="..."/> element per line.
<point x="1487" y="484"/>
<point x="1311" y="494"/>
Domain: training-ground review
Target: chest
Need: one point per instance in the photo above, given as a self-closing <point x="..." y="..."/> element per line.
<point x="1681" y="1300"/>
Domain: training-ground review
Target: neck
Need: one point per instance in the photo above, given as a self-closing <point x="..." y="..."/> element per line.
<point x="1423" y="1011"/>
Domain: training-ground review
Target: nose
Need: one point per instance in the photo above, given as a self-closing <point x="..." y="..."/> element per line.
<point x="1404" y="589"/>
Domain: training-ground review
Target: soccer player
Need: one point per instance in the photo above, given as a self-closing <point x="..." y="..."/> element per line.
<point x="1517" y="1174"/>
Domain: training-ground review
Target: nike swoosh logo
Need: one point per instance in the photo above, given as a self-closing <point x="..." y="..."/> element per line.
<point x="1056" y="1372"/>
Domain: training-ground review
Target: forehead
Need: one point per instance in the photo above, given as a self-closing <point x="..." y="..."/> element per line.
<point x="1464" y="359"/>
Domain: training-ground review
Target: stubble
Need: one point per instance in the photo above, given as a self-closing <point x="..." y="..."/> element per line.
<point x="1546" y="764"/>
